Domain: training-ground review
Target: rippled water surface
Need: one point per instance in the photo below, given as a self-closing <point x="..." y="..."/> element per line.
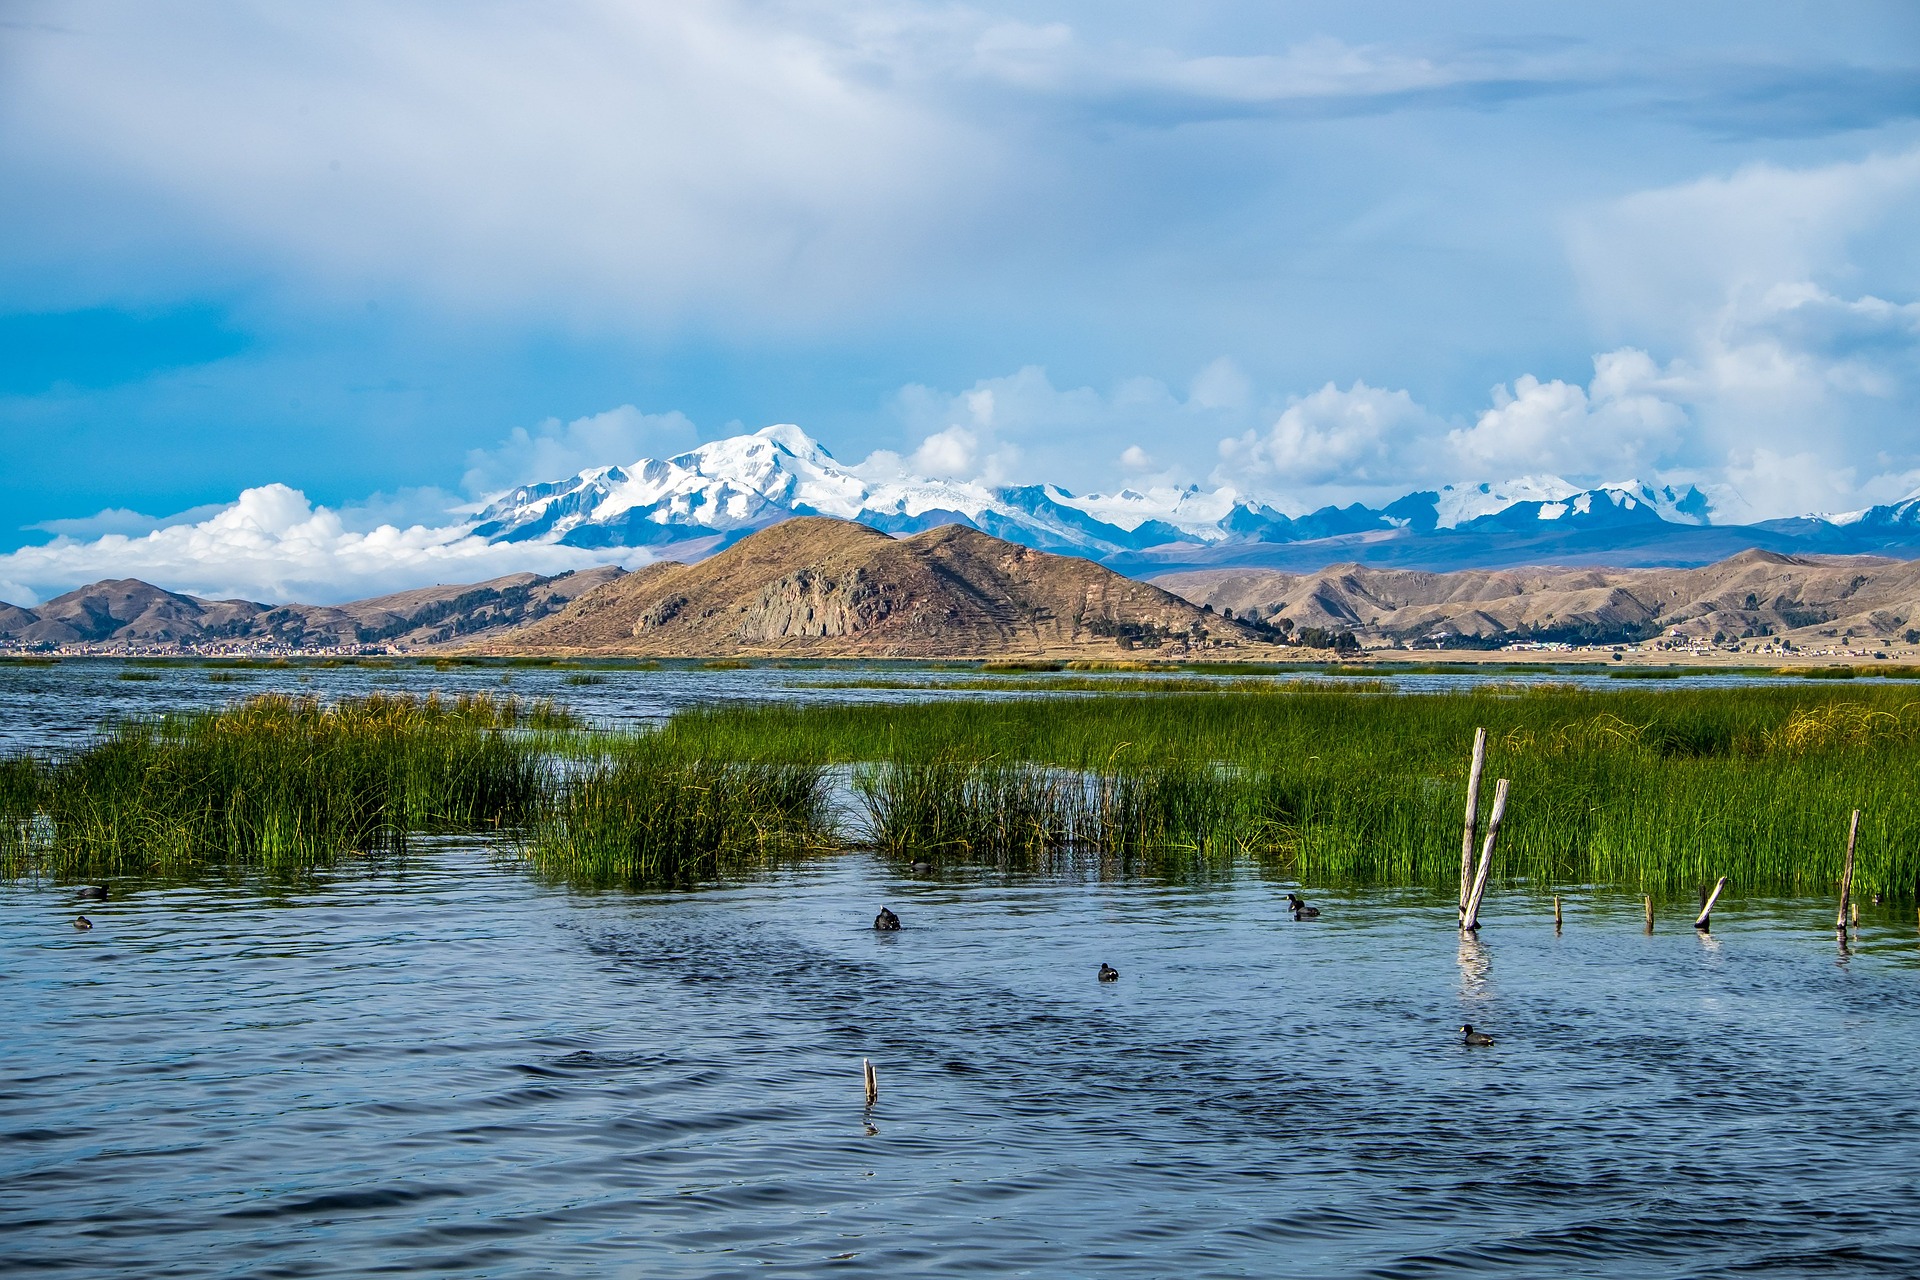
<point x="448" y="1068"/>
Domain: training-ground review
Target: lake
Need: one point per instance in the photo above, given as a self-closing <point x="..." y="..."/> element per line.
<point x="444" y="1066"/>
<point x="448" y="1068"/>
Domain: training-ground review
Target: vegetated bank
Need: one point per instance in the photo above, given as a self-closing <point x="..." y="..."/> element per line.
<point x="275" y="783"/>
<point x="1653" y="790"/>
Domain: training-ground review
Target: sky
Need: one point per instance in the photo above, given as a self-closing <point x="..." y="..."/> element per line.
<point x="301" y="280"/>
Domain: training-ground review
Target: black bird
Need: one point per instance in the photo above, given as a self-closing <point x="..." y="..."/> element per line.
<point x="1108" y="973"/>
<point x="1469" y="1036"/>
<point x="82" y="923"/>
<point x="1300" y="909"/>
<point x="886" y="921"/>
<point x="97" y="892"/>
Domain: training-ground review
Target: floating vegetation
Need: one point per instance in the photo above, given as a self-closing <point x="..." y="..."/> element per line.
<point x="586" y="678"/>
<point x="274" y="783"/>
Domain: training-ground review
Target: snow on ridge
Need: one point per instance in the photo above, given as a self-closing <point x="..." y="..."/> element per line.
<point x="1190" y="510"/>
<point x="1458" y="504"/>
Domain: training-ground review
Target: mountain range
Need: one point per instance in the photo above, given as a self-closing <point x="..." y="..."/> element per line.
<point x="1813" y="601"/>
<point x="819" y="587"/>
<point x="129" y="612"/>
<point x="706" y="499"/>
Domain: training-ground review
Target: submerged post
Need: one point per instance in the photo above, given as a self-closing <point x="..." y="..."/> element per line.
<point x="1705" y="922"/>
<point x="1649" y="913"/>
<point x="873" y="1083"/>
<point x="1556" y="913"/>
<point x="1470" y="918"/>
<point x="1473" y="819"/>
<point x="1846" y="878"/>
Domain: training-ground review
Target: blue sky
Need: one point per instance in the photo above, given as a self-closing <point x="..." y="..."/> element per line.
<point x="1315" y="251"/>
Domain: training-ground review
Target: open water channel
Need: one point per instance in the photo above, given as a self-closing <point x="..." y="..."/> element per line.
<point x="447" y="1067"/>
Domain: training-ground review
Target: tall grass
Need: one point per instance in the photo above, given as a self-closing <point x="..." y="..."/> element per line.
<point x="1002" y="813"/>
<point x="274" y="783"/>
<point x="1657" y="790"/>
<point x="651" y="816"/>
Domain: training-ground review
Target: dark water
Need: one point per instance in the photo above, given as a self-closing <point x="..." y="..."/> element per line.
<point x="453" y="1070"/>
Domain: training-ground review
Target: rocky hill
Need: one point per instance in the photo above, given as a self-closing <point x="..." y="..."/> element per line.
<point x="1755" y="593"/>
<point x="823" y="587"/>
<point x="128" y="612"/>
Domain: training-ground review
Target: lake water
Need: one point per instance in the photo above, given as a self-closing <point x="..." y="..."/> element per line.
<point x="60" y="706"/>
<point x="448" y="1068"/>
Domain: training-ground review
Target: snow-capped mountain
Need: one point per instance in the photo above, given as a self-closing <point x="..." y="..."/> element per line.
<point x="719" y="492"/>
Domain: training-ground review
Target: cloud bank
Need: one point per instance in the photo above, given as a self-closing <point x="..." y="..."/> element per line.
<point x="273" y="545"/>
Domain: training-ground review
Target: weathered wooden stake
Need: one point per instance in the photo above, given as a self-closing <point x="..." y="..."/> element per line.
<point x="1846" y="877"/>
<point x="1473" y="819"/>
<point x="1470" y="919"/>
<point x="1556" y="913"/>
<point x="1649" y="913"/>
<point x="873" y="1083"/>
<point x="1705" y="922"/>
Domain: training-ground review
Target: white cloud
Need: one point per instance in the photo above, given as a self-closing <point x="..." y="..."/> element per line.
<point x="1361" y="437"/>
<point x="554" y="450"/>
<point x="272" y="544"/>
<point x="1625" y="423"/>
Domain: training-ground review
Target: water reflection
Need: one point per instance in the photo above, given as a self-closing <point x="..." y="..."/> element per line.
<point x="1475" y="965"/>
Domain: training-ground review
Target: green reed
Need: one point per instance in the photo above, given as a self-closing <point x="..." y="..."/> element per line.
<point x="1652" y="789"/>
<point x="649" y="816"/>
<point x="272" y="783"/>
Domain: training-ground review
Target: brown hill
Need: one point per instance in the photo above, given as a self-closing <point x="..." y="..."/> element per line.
<point x="1805" y="598"/>
<point x="825" y="587"/>
<point x="126" y="611"/>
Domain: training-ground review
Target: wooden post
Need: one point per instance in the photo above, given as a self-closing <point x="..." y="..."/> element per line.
<point x="1846" y="877"/>
<point x="1556" y="913"/>
<point x="1473" y="820"/>
<point x="1705" y="922"/>
<point x="1471" y="919"/>
<point x="873" y="1083"/>
<point x="1649" y="913"/>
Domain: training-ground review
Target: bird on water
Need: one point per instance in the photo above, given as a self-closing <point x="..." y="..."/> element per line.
<point x="1469" y="1036"/>
<point x="1301" y="911"/>
<point x="82" y="923"/>
<point x="886" y="921"/>
<point x="97" y="892"/>
<point x="1108" y="973"/>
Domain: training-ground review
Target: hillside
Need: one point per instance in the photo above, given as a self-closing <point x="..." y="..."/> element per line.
<point x="126" y="611"/>
<point x="1804" y="598"/>
<point x="826" y="587"/>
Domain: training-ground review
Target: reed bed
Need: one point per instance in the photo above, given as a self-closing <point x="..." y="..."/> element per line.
<point x="1004" y="813"/>
<point x="1656" y="790"/>
<point x="649" y="816"/>
<point x="275" y="783"/>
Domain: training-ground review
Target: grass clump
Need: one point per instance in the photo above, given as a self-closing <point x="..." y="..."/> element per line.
<point x="1007" y="812"/>
<point x="649" y="816"/>
<point x="275" y="783"/>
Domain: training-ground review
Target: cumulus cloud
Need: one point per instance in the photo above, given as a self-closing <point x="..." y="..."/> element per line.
<point x="1626" y="422"/>
<point x="1021" y="428"/>
<point x="555" y="449"/>
<point x="1361" y="437"/>
<point x="272" y="544"/>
